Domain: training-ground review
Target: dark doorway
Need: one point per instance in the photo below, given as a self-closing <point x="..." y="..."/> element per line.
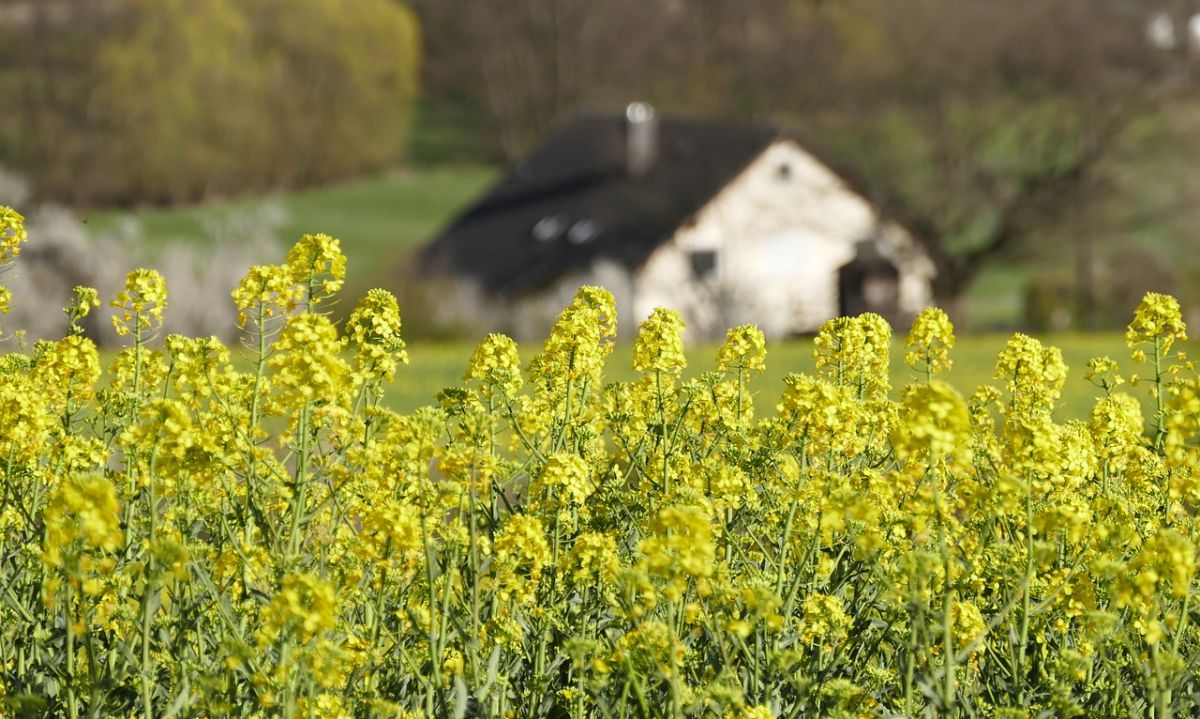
<point x="869" y="283"/>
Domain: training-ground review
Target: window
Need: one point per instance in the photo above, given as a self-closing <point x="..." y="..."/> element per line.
<point x="582" y="232"/>
<point x="704" y="263"/>
<point x="548" y="228"/>
<point x="783" y="172"/>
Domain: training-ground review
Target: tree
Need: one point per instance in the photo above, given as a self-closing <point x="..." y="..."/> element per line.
<point x="526" y="64"/>
<point x="134" y="101"/>
<point x="341" y="78"/>
<point x="173" y="97"/>
<point x="988" y="124"/>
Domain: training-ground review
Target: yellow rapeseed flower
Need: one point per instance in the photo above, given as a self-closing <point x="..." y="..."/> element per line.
<point x="930" y="341"/>
<point x="266" y="291"/>
<point x="580" y="339"/>
<point x="12" y="235"/>
<point x="521" y="553"/>
<point x="854" y="352"/>
<point x="1157" y="318"/>
<point x="82" y="515"/>
<point x="825" y="621"/>
<point x="680" y="547"/>
<point x="373" y="330"/>
<point x="745" y="349"/>
<point x="593" y="560"/>
<point x="659" y="343"/>
<point x="304" y="607"/>
<point x="307" y="360"/>
<point x="83" y="301"/>
<point x="1034" y="375"/>
<point x="934" y="421"/>
<point x="497" y="365"/>
<point x="25" y="419"/>
<point x="317" y="265"/>
<point x="141" y="303"/>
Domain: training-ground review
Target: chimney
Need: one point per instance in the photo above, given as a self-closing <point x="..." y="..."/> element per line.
<point x="641" y="138"/>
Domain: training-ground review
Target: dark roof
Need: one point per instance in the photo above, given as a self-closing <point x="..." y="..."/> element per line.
<point x="577" y="185"/>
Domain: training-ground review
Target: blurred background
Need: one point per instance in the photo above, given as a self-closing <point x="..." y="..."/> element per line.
<point x="1048" y="146"/>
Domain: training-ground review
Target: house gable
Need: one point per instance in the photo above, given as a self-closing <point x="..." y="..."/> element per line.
<point x="768" y="248"/>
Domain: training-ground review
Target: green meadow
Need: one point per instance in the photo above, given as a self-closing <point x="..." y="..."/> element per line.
<point x="436" y="365"/>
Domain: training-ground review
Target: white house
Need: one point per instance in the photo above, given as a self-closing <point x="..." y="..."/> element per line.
<point x="724" y="223"/>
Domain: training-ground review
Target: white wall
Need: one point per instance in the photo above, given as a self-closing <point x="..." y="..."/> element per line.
<point x="779" y="241"/>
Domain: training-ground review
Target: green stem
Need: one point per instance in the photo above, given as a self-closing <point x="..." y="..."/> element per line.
<point x="301" y="483"/>
<point x="1162" y="694"/>
<point x="1023" y="641"/>
<point x="434" y="631"/>
<point x="72" y="700"/>
<point x="93" y="669"/>
<point x="146" y="678"/>
<point x="948" y="689"/>
<point x="260" y="362"/>
<point x="910" y="666"/>
<point x="1160" y="429"/>
<point x="662" y="420"/>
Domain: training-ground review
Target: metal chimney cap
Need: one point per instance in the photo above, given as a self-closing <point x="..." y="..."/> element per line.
<point x="639" y="112"/>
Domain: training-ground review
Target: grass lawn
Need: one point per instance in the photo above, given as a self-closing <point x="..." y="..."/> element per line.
<point x="434" y="366"/>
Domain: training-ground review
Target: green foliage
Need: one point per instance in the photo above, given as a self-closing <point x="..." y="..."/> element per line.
<point x="175" y="87"/>
<point x="190" y="98"/>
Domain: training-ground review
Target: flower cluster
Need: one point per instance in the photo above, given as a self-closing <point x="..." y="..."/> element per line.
<point x="496" y="364"/>
<point x="304" y="607"/>
<point x="1157" y="320"/>
<point x="83" y="301"/>
<point x="265" y="292"/>
<point x="141" y="304"/>
<point x="659" y="343"/>
<point x="930" y="341"/>
<point x="933" y="421"/>
<point x="744" y="351"/>
<point x="12" y="235"/>
<point x="317" y="265"/>
<point x="83" y="515"/>
<point x="579" y="341"/>
<point x="854" y="351"/>
<point x="307" y="360"/>
<point x="374" y="331"/>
